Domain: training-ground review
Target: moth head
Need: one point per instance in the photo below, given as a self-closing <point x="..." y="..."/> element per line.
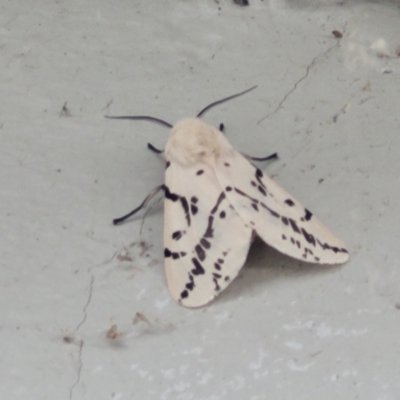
<point x="192" y="140"/>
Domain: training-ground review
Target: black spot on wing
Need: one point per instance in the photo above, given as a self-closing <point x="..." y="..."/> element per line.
<point x="209" y="233"/>
<point x="198" y="268"/>
<point x="167" y="253"/>
<point x="307" y="215"/>
<point x="308" y="251"/>
<point x="177" y="235"/>
<point x="262" y="190"/>
<point x="238" y="191"/>
<point x="259" y="175"/>
<point x="184" y="203"/>
<point x="294" y="225"/>
<point x="190" y="285"/>
<point x="185" y="206"/>
<point x="289" y="202"/>
<point x="167" y="164"/>
<point x="222" y="214"/>
<point x="254" y="203"/>
<point x="219" y="201"/>
<point x="200" y="252"/>
<point x="205" y="243"/>
<point x="169" y="195"/>
<point x="174" y="255"/>
<point x="200" y="172"/>
<point x="271" y="211"/>
<point x="193" y="209"/>
<point x="254" y="206"/>
<point x="308" y="236"/>
<point x="215" y="280"/>
<point x="217" y="274"/>
<point x="326" y="246"/>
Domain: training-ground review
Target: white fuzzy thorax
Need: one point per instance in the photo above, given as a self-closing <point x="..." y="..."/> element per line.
<point x="191" y="141"/>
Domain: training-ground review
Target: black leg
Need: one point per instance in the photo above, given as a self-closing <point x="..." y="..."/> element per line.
<point x="270" y="157"/>
<point x="152" y="148"/>
<point x="117" y="221"/>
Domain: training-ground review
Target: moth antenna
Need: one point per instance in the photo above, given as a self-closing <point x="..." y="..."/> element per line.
<point x="223" y="101"/>
<point x="144" y="118"/>
<point x="117" y="221"/>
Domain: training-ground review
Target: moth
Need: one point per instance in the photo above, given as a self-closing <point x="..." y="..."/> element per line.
<point x="216" y="201"/>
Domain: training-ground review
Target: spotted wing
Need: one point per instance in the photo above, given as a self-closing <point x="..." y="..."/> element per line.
<point x="206" y="242"/>
<point x="278" y="218"/>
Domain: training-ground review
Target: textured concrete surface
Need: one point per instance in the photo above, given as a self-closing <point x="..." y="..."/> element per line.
<point x="86" y="313"/>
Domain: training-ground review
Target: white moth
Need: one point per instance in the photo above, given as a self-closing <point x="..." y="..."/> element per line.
<point x="215" y="201"/>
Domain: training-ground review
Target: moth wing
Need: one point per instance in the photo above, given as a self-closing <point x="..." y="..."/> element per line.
<point x="276" y="216"/>
<point x="206" y="241"/>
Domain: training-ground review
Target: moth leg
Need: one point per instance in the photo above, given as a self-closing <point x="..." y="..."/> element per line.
<point x="117" y="221"/>
<point x="154" y="149"/>
<point x="270" y="157"/>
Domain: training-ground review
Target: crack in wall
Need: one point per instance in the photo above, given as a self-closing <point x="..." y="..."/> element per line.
<point x="297" y="83"/>
<point x="87" y="304"/>
<point x="81" y="343"/>
<point x="78" y="378"/>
